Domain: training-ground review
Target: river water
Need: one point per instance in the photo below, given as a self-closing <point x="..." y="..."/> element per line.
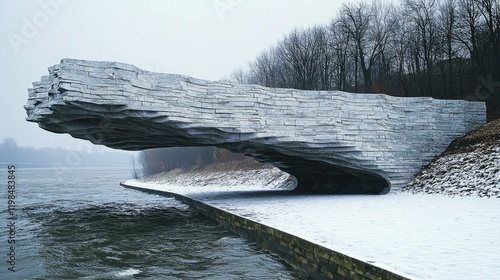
<point x="80" y="224"/>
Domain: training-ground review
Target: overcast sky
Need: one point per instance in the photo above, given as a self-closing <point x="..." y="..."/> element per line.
<point x="201" y="38"/>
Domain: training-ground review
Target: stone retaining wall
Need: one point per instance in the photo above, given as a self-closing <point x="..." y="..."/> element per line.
<point x="317" y="261"/>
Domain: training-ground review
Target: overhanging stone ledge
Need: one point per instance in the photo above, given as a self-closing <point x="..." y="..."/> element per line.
<point x="331" y="141"/>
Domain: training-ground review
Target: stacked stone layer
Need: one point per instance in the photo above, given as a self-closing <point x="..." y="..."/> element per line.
<point x="329" y="140"/>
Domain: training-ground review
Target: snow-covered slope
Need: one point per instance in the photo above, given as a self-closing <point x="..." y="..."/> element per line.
<point x="476" y="173"/>
<point x="469" y="167"/>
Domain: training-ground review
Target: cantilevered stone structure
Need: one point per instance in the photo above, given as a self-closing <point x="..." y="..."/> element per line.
<point x="330" y="141"/>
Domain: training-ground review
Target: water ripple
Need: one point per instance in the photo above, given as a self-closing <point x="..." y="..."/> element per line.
<point x="82" y="225"/>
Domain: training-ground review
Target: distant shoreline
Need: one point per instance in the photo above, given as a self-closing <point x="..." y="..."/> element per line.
<point x="47" y="166"/>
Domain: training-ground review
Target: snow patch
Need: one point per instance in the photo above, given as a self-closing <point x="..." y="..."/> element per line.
<point x="266" y="178"/>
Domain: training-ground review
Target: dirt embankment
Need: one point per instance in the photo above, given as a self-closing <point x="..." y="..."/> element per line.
<point x="470" y="166"/>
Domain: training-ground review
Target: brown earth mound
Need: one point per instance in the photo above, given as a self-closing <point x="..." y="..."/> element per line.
<point x="470" y="166"/>
<point x="487" y="135"/>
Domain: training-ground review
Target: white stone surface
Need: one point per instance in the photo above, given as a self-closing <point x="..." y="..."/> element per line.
<point x="329" y="140"/>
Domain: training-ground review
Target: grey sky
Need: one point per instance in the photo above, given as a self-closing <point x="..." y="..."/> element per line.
<point x="201" y="38"/>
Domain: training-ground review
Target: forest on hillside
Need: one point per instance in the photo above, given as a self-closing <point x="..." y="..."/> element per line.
<point x="446" y="49"/>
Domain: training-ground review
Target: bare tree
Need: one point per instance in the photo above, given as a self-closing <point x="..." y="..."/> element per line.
<point x="468" y="29"/>
<point x="370" y="27"/>
<point x="326" y="60"/>
<point x="356" y="20"/>
<point x="447" y="20"/>
<point x="401" y="45"/>
<point x="383" y="30"/>
<point x="422" y="14"/>
<point x="490" y="10"/>
<point x="301" y="53"/>
<point x="239" y="76"/>
<point x="264" y="70"/>
<point x="340" y="45"/>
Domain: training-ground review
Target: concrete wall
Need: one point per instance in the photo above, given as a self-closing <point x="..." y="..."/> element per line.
<point x="329" y="140"/>
<point x="317" y="261"/>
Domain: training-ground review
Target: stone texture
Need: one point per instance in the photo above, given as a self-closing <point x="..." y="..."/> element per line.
<point x="329" y="140"/>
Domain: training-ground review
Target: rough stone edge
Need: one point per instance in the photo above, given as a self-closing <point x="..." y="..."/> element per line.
<point x="317" y="261"/>
<point x="393" y="167"/>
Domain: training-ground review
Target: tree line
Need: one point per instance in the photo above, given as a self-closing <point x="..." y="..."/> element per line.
<point x="446" y="49"/>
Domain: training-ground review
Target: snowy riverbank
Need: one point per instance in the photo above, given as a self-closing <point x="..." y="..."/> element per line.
<point x="444" y="225"/>
<point x="414" y="235"/>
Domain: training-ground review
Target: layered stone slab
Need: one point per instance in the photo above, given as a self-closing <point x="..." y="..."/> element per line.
<point x="329" y="140"/>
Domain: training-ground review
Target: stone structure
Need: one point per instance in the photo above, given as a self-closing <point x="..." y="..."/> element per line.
<point x="329" y="140"/>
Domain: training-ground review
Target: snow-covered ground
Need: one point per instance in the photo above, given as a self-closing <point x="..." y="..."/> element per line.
<point x="415" y="235"/>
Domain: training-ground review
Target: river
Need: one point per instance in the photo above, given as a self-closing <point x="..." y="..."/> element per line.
<point x="80" y="224"/>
